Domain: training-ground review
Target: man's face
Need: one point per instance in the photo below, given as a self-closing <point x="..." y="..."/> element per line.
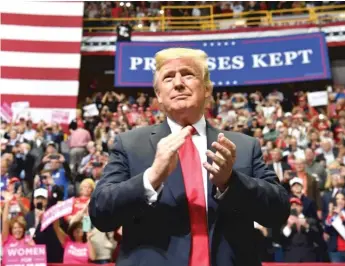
<point x="296" y="188"/>
<point x="326" y="146"/>
<point x="293" y="142"/>
<point x="180" y="87"/>
<point x="309" y="155"/>
<point x="54" y="164"/>
<point x="275" y="156"/>
<point x="299" y="166"/>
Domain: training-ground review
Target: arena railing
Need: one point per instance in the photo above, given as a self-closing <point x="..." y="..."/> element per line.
<point x="210" y="21"/>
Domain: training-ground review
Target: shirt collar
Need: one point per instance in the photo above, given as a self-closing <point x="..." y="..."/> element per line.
<point x="199" y="126"/>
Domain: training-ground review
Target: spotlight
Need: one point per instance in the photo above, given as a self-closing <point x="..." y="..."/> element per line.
<point x="128" y="4"/>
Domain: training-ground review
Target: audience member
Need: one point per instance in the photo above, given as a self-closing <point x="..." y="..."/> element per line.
<point x="300" y="235"/>
<point x="336" y="242"/>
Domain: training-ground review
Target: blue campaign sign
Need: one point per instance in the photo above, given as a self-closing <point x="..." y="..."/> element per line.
<point x="234" y="62"/>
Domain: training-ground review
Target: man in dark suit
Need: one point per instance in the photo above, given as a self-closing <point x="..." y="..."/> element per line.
<point x="280" y="167"/>
<point x="23" y="165"/>
<point x="184" y="192"/>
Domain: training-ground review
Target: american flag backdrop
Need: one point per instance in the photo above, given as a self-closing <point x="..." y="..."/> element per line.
<point x="40" y="58"/>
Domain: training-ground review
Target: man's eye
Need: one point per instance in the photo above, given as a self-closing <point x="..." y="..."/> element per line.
<point x="188" y="76"/>
<point x="168" y="79"/>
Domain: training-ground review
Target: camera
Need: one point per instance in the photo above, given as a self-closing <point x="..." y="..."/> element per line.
<point x="54" y="157"/>
<point x="16" y="186"/>
<point x="293" y="212"/>
<point x="97" y="164"/>
<point x="39" y="206"/>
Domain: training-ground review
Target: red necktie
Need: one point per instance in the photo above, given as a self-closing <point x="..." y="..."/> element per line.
<point x="193" y="182"/>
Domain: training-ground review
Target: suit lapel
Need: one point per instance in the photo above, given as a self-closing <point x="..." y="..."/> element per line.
<point x="175" y="180"/>
<point x="211" y="135"/>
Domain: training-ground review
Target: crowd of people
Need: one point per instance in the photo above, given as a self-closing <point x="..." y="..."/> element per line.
<point x="140" y="9"/>
<point x="42" y="165"/>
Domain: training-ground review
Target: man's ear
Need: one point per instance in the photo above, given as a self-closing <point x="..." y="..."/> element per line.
<point x="157" y="92"/>
<point x="208" y="90"/>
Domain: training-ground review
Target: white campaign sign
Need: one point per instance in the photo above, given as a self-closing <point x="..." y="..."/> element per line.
<point x="318" y="98"/>
<point x="90" y="110"/>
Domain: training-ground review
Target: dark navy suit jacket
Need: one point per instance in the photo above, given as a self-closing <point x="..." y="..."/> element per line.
<point x="159" y="234"/>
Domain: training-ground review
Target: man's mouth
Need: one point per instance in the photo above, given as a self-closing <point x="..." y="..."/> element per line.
<point x="181" y="96"/>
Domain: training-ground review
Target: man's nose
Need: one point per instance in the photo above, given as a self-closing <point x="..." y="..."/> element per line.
<point x="178" y="82"/>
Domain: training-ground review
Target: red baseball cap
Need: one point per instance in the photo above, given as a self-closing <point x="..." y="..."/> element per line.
<point x="296" y="200"/>
<point x="13" y="180"/>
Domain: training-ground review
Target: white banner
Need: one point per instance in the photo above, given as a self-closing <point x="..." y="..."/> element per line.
<point x="318" y="98"/>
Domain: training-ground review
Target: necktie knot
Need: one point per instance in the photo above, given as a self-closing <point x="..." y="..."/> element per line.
<point x="194" y="131"/>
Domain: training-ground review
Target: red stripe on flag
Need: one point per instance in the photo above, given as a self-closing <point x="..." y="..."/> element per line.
<point x="37" y="101"/>
<point x="40" y="46"/>
<point x="39" y="73"/>
<point x="41" y="20"/>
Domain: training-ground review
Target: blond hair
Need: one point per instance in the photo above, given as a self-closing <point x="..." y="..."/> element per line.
<point x="88" y="181"/>
<point x="198" y="56"/>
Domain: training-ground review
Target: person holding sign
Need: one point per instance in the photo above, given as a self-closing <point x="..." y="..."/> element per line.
<point x="13" y="231"/>
<point x="78" y="247"/>
<point x="336" y="231"/>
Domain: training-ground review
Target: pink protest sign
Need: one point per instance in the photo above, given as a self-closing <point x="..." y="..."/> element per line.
<point x="60" y="117"/>
<point x="25" y="256"/>
<point x="57" y="211"/>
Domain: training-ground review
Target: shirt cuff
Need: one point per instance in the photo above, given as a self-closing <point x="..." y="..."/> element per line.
<point x="219" y="195"/>
<point x="150" y="193"/>
<point x="287" y="231"/>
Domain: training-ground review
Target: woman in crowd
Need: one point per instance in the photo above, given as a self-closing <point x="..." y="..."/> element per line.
<point x="13" y="230"/>
<point x="85" y="190"/>
<point x="104" y="244"/>
<point x="336" y="242"/>
<point x="77" y="244"/>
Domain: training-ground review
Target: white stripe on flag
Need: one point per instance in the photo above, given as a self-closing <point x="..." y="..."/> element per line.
<point x="39" y="87"/>
<point x="47" y="60"/>
<point x="62" y="34"/>
<point x="43" y="8"/>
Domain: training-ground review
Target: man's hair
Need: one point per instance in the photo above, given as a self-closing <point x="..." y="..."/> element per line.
<point x="277" y="150"/>
<point x="198" y="56"/>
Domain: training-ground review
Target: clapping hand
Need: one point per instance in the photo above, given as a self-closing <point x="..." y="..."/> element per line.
<point x="167" y="156"/>
<point x="223" y="161"/>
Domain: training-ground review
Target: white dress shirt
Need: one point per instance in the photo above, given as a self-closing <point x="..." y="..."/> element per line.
<point x="279" y="170"/>
<point x="200" y="141"/>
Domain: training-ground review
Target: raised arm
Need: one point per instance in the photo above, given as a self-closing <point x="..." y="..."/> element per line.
<point x="61" y="235"/>
<point x="5" y="222"/>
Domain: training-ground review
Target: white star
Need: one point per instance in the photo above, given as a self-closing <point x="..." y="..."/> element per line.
<point x="227" y="82"/>
<point x="234" y="82"/>
<point x="219" y="43"/>
<point x="220" y="83"/>
<point x="233" y="43"/>
<point x="212" y="44"/>
<point x="204" y="44"/>
<point x="226" y="43"/>
<point x="213" y="83"/>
